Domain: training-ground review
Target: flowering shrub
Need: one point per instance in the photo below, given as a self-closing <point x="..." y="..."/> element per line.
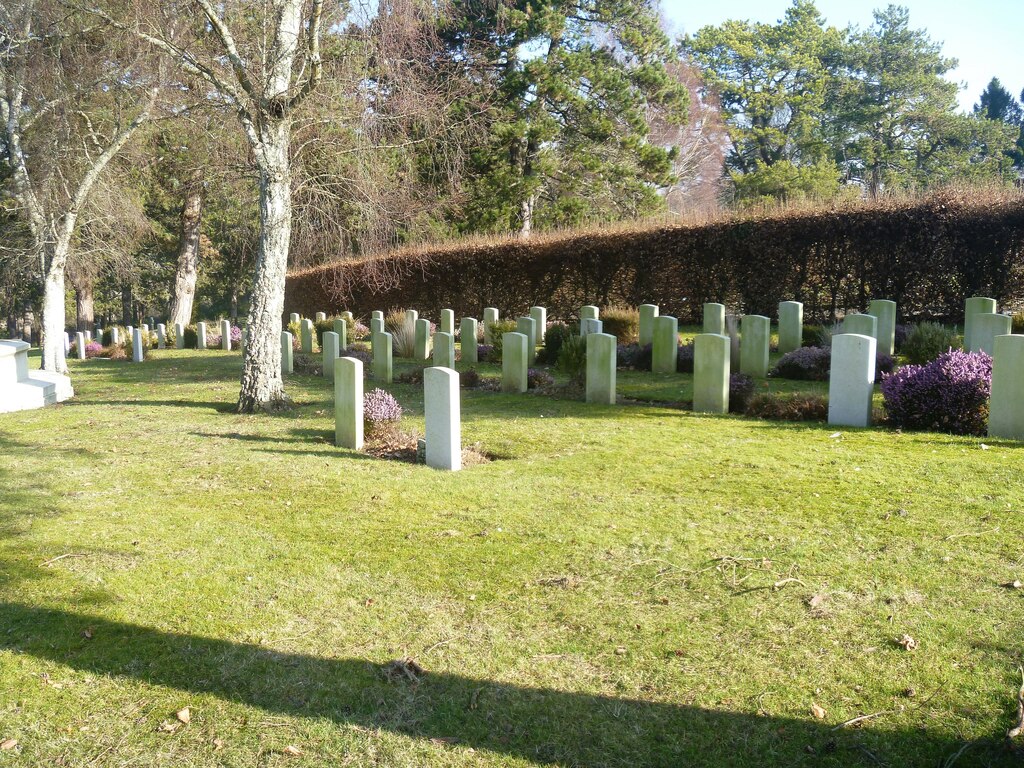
<point x="741" y="390"/>
<point x="360" y="353"/>
<point x="485" y="353"/>
<point x="470" y="379"/>
<point x="633" y="356"/>
<point x="814" y="364"/>
<point x="538" y="379"/>
<point x="949" y="394"/>
<point x="380" y="412"/>
<point x="213" y="340"/>
<point x="804" y="364"/>
<point x="684" y="358"/>
<point x="236" y="336"/>
<point x="93" y="349"/>
<point x="357" y="330"/>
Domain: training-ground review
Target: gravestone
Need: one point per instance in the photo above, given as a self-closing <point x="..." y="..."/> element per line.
<point x="99" y="335"/>
<point x="287" y="348"/>
<point x="791" y="326"/>
<point x="851" y="380"/>
<point x="490" y="318"/>
<point x="589" y="325"/>
<point x="467" y="340"/>
<point x="201" y="336"/>
<point x="330" y="350"/>
<point x="864" y="325"/>
<point x="443" y="432"/>
<point x="67" y="343"/>
<point x="732" y="330"/>
<point x="714" y="318"/>
<point x="601" y="361"/>
<point x="138" y="351"/>
<point x="885" y="311"/>
<point x="976" y="305"/>
<point x="447" y="321"/>
<point x="145" y="329"/>
<point x="321" y="316"/>
<point x="755" y="331"/>
<point x="411" y="316"/>
<point x="421" y="347"/>
<point x="378" y="314"/>
<point x="589" y="312"/>
<point x="1006" y="406"/>
<point x="115" y="336"/>
<point x="348" y="403"/>
<point x="986" y="327"/>
<point x="444" y="350"/>
<point x="647" y="314"/>
<point x="383" y="364"/>
<point x="22" y="389"/>
<point x="711" y="368"/>
<point x="341" y="328"/>
<point x="347" y="317"/>
<point x="540" y="317"/>
<point x="161" y="336"/>
<point x="376" y="326"/>
<point x="179" y="336"/>
<point x="665" y="346"/>
<point x="294" y="317"/>
<point x="306" y="342"/>
<point x="514" y="363"/>
<point x="80" y="345"/>
<point x="528" y="327"/>
<point x="225" y="335"/>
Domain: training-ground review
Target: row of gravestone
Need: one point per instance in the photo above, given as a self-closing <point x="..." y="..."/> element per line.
<point x="140" y="338"/>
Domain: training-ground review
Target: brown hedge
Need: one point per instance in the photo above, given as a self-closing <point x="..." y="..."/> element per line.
<point x="928" y="255"/>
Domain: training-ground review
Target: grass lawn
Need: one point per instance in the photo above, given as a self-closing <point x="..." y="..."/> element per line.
<point x="622" y="586"/>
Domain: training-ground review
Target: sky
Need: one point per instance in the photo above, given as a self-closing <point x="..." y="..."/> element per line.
<point x="986" y="36"/>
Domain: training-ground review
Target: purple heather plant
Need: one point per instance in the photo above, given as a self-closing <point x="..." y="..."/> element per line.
<point x="949" y="394"/>
<point x="236" y="336"/>
<point x="213" y="341"/>
<point x="483" y="352"/>
<point x="380" y="407"/>
<point x="741" y="390"/>
<point x="684" y="358"/>
<point x="814" y="364"/>
<point x="538" y="379"/>
<point x="93" y="349"/>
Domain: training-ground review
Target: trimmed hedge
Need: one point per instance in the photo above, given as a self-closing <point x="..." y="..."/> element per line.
<point x="927" y="255"/>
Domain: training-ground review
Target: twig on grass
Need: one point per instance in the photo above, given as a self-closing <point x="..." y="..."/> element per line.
<point x="971" y="533"/>
<point x="861" y="719"/>
<point x="61" y="557"/>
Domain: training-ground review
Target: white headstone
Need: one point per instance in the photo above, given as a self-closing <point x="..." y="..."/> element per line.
<point x="348" y="403"/>
<point x="225" y="335"/>
<point x="647" y="314"/>
<point x="137" y="349"/>
<point x="851" y="380"/>
<point x="287" y="353"/>
<point x="467" y="340"/>
<point x="540" y="317"/>
<point x="179" y="336"/>
<point x="514" y="362"/>
<point x="80" y="345"/>
<point x="441" y="412"/>
<point x="601" y="361"/>
<point x="665" y="346"/>
<point x="201" y="335"/>
<point x="161" y="336"/>
<point x="331" y="349"/>
<point x="447" y="321"/>
<point x="490" y="318"/>
<point x="444" y="350"/>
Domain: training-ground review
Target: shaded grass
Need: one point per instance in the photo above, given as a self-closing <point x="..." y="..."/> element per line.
<point x="603" y="596"/>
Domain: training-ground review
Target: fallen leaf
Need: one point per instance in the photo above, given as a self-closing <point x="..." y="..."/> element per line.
<point x="292" y="750"/>
<point x="620" y="651"/>
<point x="184" y="715"/>
<point x="168" y="726"/>
<point x="218" y="744"/>
<point x="907" y="642"/>
<point x="7" y="744"/>
<point x="1015" y="584"/>
<point x="87" y="633"/>
<point x="818" y="712"/>
<point x="816" y="601"/>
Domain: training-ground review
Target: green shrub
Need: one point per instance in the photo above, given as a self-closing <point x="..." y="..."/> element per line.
<point x="927" y="341"/>
<point x="622" y="322"/>
<point x="191" y="335"/>
<point x="556" y="334"/>
<point x="498" y="330"/>
<point x="320" y="328"/>
<point x="572" y="358"/>
<point x="1018" y="323"/>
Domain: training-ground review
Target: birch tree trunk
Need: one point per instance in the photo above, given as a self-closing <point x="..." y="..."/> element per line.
<point x="262" y="384"/>
<point x="188" y="252"/>
<point x="54" y="314"/>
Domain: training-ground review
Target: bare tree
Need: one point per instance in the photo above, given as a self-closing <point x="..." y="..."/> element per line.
<point x="187" y="270"/>
<point x="70" y="99"/>
<point x="264" y="73"/>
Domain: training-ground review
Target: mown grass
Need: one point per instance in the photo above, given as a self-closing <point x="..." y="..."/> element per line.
<point x="624" y="586"/>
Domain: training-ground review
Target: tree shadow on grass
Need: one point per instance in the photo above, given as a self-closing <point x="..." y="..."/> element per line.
<point x="534" y="724"/>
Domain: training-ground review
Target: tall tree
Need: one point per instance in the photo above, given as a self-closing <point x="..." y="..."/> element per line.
<point x="262" y="63"/>
<point x="997" y="103"/>
<point x="903" y="125"/>
<point x="71" y="96"/>
<point x="574" y="84"/>
<point x="775" y="83"/>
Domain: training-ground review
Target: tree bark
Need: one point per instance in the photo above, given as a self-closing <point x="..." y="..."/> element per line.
<point x="262" y="384"/>
<point x="54" y="316"/>
<point x="85" y="305"/>
<point x="188" y="252"/>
